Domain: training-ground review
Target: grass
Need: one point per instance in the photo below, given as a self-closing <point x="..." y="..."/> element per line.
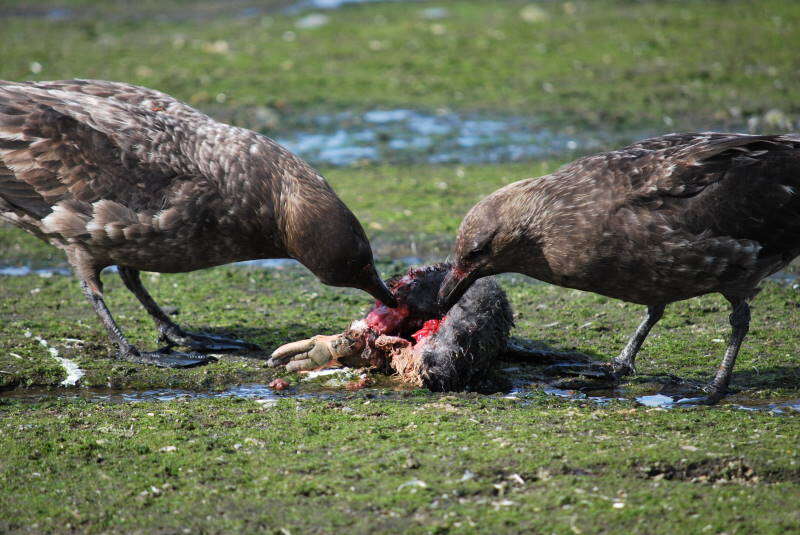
<point x="603" y="62"/>
<point x="384" y="461"/>
<point x="426" y="464"/>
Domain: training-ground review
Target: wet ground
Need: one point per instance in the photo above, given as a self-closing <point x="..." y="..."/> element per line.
<point x="566" y="379"/>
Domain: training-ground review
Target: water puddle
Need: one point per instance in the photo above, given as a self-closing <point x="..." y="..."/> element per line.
<point x="399" y="263"/>
<point x="306" y="5"/>
<point x="781" y="407"/>
<point x="660" y="400"/>
<point x="240" y="9"/>
<point x="24" y="270"/>
<point x="328" y="384"/>
<point x="786" y="278"/>
<point x="666" y="401"/>
<point x="109" y="395"/>
<point x="526" y="381"/>
<point x="408" y="136"/>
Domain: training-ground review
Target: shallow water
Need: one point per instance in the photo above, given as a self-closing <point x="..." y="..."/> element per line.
<point x="45" y="272"/>
<point x="664" y="401"/>
<point x="24" y="270"/>
<point x="306" y="5"/>
<point x="325" y="385"/>
<point x="243" y="9"/>
<point x="111" y="395"/>
<point x="406" y="135"/>
<point x="329" y="384"/>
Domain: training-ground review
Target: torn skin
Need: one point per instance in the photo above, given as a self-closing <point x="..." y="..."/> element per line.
<point x="385" y="320"/>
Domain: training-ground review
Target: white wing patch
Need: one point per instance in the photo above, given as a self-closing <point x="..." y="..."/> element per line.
<point x="65" y="221"/>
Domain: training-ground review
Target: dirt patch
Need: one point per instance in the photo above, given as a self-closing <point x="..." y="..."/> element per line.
<point x="715" y="471"/>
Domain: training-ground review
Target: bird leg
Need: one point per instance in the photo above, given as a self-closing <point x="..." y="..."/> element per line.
<point x="624" y="363"/>
<point x="169" y="331"/>
<point x="740" y="324"/>
<point x="164" y="357"/>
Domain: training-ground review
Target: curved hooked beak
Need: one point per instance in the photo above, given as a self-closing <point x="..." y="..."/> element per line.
<point x="378" y="289"/>
<point x="454" y="286"/>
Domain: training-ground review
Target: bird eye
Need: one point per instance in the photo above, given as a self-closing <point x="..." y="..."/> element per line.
<point x="476" y="251"/>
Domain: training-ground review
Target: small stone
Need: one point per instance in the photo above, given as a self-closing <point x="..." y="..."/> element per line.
<point x="533" y="13"/>
<point x="413" y="485"/>
<point x="434" y="13"/>
<point x="314" y="20"/>
<point x="279" y="384"/>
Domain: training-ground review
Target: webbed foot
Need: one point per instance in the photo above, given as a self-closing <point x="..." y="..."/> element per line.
<point x="165" y="358"/>
<point x="715" y="393"/>
<point x="622" y="368"/>
<point x="175" y="336"/>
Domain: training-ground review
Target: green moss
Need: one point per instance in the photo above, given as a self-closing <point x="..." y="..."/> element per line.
<point x="427" y="464"/>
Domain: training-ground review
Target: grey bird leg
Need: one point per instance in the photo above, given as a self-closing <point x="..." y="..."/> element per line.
<point x="170" y="332"/>
<point x="127" y="351"/>
<point x="624" y="363"/>
<point x="740" y="324"/>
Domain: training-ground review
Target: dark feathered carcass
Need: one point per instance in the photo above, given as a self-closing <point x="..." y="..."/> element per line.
<point x="442" y="353"/>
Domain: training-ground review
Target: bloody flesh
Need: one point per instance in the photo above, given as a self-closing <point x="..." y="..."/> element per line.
<point x="400" y="321"/>
<point x="428" y="328"/>
<point x="394" y="338"/>
<point x="385" y="320"/>
<point x="416" y="317"/>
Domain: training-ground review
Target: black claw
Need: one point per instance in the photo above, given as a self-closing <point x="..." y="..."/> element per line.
<point x="164" y="358"/>
<point x="715" y="394"/>
<point x="206" y="342"/>
<point x="274" y="363"/>
<point x="619" y="370"/>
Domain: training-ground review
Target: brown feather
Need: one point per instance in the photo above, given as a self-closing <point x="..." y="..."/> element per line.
<point x="661" y="220"/>
<point x="120" y="174"/>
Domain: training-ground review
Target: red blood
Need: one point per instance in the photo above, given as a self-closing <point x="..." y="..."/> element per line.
<point x="385" y="320"/>
<point x="428" y="328"/>
<point x="458" y="272"/>
<point x="279" y="384"/>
